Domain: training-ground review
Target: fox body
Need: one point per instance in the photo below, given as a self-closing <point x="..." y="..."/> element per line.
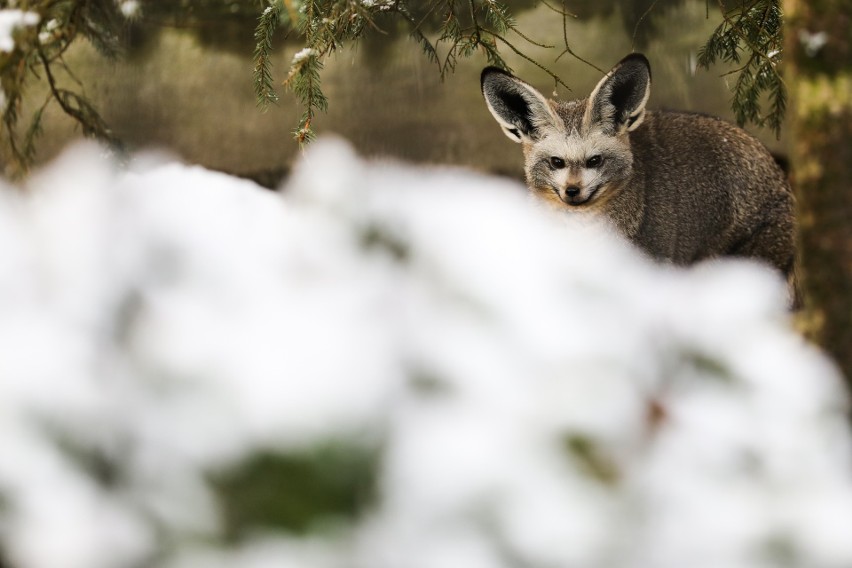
<point x="684" y="187"/>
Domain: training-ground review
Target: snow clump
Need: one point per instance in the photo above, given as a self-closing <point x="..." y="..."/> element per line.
<point x="11" y="20"/>
<point x="129" y="8"/>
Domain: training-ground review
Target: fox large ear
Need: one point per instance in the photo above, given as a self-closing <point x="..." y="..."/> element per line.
<point x="518" y="108"/>
<point x="618" y="101"/>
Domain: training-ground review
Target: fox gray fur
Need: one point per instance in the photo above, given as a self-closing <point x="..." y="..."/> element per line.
<point x="684" y="187"/>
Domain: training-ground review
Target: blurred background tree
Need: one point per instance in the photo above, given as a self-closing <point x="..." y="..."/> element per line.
<point x="818" y="67"/>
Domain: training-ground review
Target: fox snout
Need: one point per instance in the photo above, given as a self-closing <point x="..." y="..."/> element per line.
<point x="573" y="194"/>
<point x="569" y="185"/>
<point x="572" y="191"/>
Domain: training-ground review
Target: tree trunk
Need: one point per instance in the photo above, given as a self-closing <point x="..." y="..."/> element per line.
<point x="818" y="64"/>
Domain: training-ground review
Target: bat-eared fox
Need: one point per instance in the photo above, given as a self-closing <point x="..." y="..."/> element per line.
<point x="682" y="186"/>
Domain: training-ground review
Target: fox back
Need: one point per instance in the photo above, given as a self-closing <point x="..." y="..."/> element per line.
<point x="684" y="187"/>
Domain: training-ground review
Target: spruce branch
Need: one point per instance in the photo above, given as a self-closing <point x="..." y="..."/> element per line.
<point x="522" y="55"/>
<point x="427" y="46"/>
<point x="304" y="81"/>
<point x="749" y="37"/>
<point x="79" y="108"/>
<point x="464" y="28"/>
<point x="38" y="51"/>
<point x="263" y="82"/>
<point x="35" y="130"/>
<point x="642" y="19"/>
<point x="565" y="14"/>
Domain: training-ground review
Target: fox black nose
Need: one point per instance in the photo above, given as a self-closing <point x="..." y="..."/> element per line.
<point x="572" y="191"/>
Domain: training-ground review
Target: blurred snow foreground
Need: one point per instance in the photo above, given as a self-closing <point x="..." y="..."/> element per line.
<point x="392" y="367"/>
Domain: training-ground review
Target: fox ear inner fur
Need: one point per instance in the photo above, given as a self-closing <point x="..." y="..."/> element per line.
<point x="518" y="108"/>
<point x="618" y="101"/>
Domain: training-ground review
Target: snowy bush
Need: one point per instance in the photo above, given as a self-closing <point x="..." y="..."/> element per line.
<point x="392" y="367"/>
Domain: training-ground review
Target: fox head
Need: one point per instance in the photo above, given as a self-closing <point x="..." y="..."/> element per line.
<point x="577" y="153"/>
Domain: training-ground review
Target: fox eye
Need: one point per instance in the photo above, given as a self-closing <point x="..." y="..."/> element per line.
<point x="557" y="163"/>
<point x="595" y="161"/>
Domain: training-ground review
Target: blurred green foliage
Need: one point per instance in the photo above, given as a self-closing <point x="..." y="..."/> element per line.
<point x="314" y="490"/>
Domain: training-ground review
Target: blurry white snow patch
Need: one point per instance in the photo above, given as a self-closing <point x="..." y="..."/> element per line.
<point x="453" y="375"/>
<point x="12" y="20"/>
<point x="130" y="8"/>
